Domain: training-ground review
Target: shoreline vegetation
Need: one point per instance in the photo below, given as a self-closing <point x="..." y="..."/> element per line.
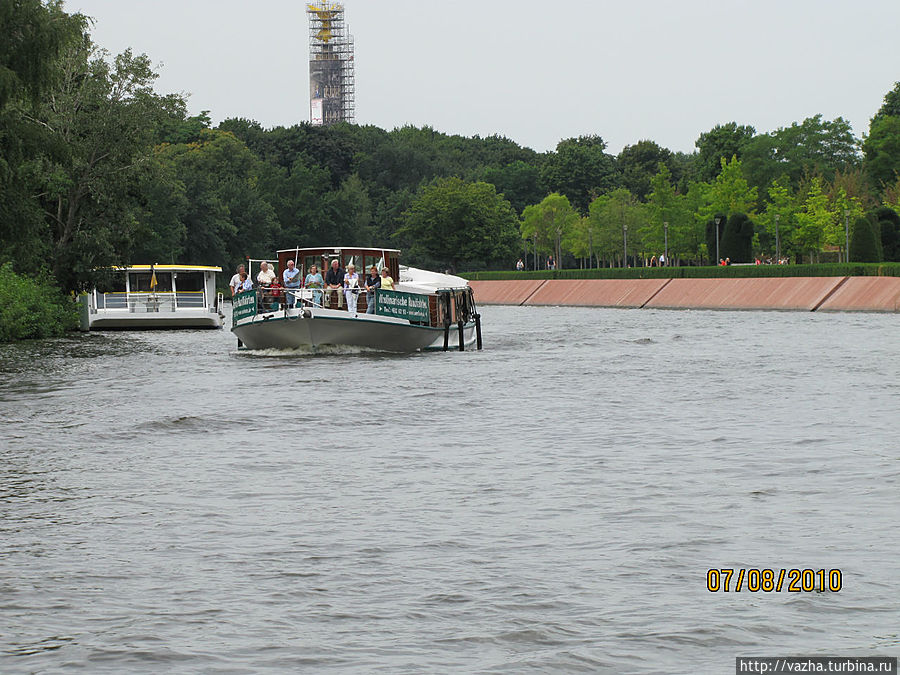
<point x="98" y="169"/>
<point x="33" y="308"/>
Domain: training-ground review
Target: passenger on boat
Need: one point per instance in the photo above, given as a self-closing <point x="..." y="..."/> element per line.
<point x="246" y="284"/>
<point x="275" y="294"/>
<point x="265" y="276"/>
<point x="373" y="283"/>
<point x="387" y="282"/>
<point x="334" y="281"/>
<point x="291" y="280"/>
<point x="351" y="287"/>
<point x="235" y="282"/>
<point x="314" y="280"/>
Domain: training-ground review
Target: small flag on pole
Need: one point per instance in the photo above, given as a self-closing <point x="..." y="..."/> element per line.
<point x="153" y="277"/>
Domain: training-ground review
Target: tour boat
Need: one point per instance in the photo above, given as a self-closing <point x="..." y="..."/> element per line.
<point x="425" y="311"/>
<point x="154" y="296"/>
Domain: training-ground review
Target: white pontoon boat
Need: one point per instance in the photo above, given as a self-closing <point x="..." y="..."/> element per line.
<point x="425" y="311"/>
<point x="155" y="296"/>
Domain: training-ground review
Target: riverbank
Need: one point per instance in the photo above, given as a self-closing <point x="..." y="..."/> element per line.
<point x="811" y="293"/>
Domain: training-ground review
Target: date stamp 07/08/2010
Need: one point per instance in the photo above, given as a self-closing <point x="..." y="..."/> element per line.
<point x="728" y="580"/>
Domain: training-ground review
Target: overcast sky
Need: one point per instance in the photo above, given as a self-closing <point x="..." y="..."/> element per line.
<point x="534" y="71"/>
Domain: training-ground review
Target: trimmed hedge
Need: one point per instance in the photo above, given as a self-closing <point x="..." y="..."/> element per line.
<point x="732" y="272"/>
<point x="32" y="308"/>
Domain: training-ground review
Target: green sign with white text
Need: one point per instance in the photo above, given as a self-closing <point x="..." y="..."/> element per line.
<point x="409" y="306"/>
<point x="243" y="305"/>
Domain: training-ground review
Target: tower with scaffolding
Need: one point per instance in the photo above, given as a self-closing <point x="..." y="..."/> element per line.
<point x="331" y="66"/>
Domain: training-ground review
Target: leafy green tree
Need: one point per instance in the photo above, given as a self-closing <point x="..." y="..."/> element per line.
<point x="814" y="220"/>
<point x="612" y="215"/>
<point x="32" y="308"/>
<point x="814" y="146"/>
<point x="519" y="182"/>
<point x="34" y="34"/>
<point x="551" y="222"/>
<point x="882" y="150"/>
<point x="891" y="105"/>
<point x="580" y="170"/>
<point x="729" y="193"/>
<point x="864" y="242"/>
<point x="455" y="222"/>
<point x="665" y="205"/>
<point x="845" y="209"/>
<point x="780" y="220"/>
<point x="638" y="164"/>
<point x="722" y="142"/>
<point x="227" y="217"/>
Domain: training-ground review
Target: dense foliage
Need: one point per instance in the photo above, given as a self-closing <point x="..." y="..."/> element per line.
<point x="99" y="169"/>
<point x="32" y="308"/>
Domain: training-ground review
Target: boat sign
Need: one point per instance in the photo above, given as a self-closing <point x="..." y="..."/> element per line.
<point x="410" y="306"/>
<point x="243" y="305"/>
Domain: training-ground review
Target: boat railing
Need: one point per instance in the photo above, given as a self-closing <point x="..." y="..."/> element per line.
<point x="139" y="302"/>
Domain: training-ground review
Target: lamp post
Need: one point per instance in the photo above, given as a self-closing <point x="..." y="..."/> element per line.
<point x="535" y="251"/>
<point x="777" y="241"/>
<point x="666" y="230"/>
<point x="718" y="220"/>
<point x="847" y="234"/>
<point x="625" y="244"/>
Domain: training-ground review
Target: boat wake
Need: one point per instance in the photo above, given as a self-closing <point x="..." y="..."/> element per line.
<point x="321" y="350"/>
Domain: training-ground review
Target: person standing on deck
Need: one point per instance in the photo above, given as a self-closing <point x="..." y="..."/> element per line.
<point x="387" y="282"/>
<point x="351" y="287"/>
<point x="291" y="279"/>
<point x="236" y="282"/>
<point x="334" y="280"/>
<point x="373" y="283"/>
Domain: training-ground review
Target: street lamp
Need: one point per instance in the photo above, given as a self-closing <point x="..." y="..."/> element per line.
<point x="535" y="251"/>
<point x="666" y="230"/>
<point x="718" y="220"/>
<point x="625" y="244"/>
<point x="777" y="240"/>
<point x="847" y="234"/>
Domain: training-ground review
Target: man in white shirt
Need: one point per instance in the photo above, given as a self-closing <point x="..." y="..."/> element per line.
<point x="265" y="276"/>
<point x="236" y="279"/>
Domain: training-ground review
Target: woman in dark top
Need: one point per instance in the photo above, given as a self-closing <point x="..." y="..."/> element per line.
<point x="373" y="281"/>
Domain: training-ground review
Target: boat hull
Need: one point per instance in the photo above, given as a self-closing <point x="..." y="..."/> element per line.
<point x="113" y="320"/>
<point x="325" y="328"/>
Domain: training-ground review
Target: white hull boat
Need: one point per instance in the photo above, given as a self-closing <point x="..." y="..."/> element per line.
<point x="425" y="311"/>
<point x="143" y="297"/>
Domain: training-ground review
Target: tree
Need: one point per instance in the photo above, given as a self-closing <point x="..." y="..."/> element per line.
<point x="891" y="105"/>
<point x="550" y="222"/>
<point x="814" y="220"/>
<point x="722" y="142"/>
<point x="614" y="214"/>
<point x="665" y="205"/>
<point x="780" y="220"/>
<point x="455" y="222"/>
<point x="518" y="182"/>
<point x="580" y="170"/>
<point x="864" y="241"/>
<point x="730" y="193"/>
<point x="814" y="146"/>
<point x="638" y="163"/>
<point x="882" y="150"/>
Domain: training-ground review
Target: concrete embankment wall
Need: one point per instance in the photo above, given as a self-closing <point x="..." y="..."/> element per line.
<point x="872" y="294"/>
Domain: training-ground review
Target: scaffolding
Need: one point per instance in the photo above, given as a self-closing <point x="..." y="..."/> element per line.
<point x="332" y="93"/>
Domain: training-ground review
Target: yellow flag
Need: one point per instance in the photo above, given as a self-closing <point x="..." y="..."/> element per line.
<point x="153" y="277"/>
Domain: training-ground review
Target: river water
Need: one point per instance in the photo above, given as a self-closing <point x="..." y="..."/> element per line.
<point x="550" y="504"/>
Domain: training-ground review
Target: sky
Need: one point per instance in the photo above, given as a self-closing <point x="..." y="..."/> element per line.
<point x="534" y="72"/>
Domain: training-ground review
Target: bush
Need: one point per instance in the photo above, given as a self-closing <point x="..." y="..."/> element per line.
<point x="732" y="272"/>
<point x="889" y="224"/>
<point x="32" y="308"/>
<point x="864" y="242"/>
<point x="737" y="239"/>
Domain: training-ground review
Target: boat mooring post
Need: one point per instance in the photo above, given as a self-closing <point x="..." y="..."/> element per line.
<point x="462" y="337"/>
<point x="478" y="330"/>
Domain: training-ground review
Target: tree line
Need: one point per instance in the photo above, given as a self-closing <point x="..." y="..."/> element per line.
<point x="98" y="169"/>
